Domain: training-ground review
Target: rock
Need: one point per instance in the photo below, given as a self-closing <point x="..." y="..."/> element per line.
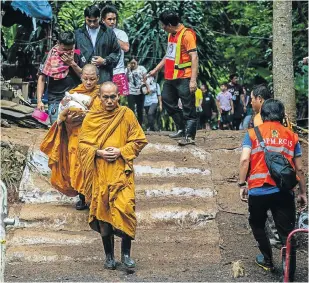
<point x="238" y="269"/>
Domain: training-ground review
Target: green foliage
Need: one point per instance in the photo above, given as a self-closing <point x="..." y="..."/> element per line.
<point x="243" y="33"/>
<point x="71" y="15"/>
<point x="9" y="35"/>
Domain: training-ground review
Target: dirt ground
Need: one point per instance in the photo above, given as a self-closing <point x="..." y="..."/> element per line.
<point x="230" y="231"/>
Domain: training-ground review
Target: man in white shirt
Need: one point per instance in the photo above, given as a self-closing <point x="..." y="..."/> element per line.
<point x="109" y="16"/>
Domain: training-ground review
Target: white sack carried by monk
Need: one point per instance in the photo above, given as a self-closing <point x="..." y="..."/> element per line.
<point x="73" y="102"/>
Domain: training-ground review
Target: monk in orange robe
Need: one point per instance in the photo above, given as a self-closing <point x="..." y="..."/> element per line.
<point x="60" y="143"/>
<point x="109" y="140"/>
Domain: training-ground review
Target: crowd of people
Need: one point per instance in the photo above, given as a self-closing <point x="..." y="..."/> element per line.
<point x="93" y="140"/>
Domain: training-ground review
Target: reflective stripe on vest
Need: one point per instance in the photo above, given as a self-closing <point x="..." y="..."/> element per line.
<point x="173" y="57"/>
<point x="273" y="148"/>
<point x="258" y="176"/>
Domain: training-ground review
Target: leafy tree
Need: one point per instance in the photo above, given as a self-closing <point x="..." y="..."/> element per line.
<point x="243" y="33"/>
<point x="283" y="75"/>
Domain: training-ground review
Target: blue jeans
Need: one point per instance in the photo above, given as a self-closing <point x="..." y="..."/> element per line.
<point x="53" y="112"/>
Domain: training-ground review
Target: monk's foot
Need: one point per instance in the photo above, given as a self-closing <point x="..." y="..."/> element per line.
<point x="81" y="205"/>
<point x="127" y="261"/>
<point x="110" y="262"/>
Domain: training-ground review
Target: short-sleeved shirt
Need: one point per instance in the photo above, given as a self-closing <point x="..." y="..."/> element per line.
<point x="136" y="79"/>
<point x="225" y="100"/>
<point x="265" y="190"/>
<point x="188" y="44"/>
<point x="208" y="104"/>
<point x="121" y="35"/>
<point x="257" y="120"/>
<point x="152" y="97"/>
<point x="236" y="90"/>
<point x="56" y="88"/>
<point x="198" y="97"/>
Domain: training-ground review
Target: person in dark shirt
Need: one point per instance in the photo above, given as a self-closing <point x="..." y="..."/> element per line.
<point x="238" y="100"/>
<point x="61" y="72"/>
<point x="98" y="44"/>
<point x="209" y="108"/>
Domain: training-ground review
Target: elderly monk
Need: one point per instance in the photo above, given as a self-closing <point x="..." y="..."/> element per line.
<point x="60" y="143"/>
<point x="110" y="139"/>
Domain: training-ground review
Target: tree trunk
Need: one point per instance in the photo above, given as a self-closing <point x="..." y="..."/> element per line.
<point x="283" y="75"/>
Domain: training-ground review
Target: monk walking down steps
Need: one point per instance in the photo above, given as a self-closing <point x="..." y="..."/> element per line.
<point x="61" y="141"/>
<point x="110" y="139"/>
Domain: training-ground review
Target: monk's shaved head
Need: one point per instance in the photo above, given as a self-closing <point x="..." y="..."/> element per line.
<point x="108" y="85"/>
<point x="90" y="76"/>
<point x="89" y="68"/>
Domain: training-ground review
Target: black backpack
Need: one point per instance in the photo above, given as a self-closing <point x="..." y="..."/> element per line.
<point x="280" y="169"/>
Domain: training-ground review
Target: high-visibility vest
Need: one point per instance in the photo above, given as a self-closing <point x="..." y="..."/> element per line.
<point x="276" y="138"/>
<point x="174" y="67"/>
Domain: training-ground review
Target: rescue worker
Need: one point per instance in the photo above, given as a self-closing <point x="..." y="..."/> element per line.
<point x="263" y="193"/>
<point x="180" y="69"/>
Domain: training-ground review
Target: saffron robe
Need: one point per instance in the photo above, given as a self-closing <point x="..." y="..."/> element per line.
<point x="109" y="186"/>
<point x="60" y="145"/>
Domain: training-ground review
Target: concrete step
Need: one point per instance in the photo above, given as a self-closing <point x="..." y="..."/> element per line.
<point x="150" y="212"/>
<point x="34" y="236"/>
<point x="156" y="151"/>
<point x="150" y="246"/>
<point x="166" y="169"/>
<point x="145" y="187"/>
<point x="173" y="190"/>
<point x="35" y="186"/>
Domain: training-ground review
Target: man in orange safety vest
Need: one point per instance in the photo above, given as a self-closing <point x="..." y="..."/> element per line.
<point x="180" y="70"/>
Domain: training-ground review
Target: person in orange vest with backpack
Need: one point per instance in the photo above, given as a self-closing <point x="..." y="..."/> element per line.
<point x="180" y="69"/>
<point x="261" y="192"/>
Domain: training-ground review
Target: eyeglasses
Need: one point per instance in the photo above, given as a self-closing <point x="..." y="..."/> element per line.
<point x="107" y="97"/>
<point x="92" y="21"/>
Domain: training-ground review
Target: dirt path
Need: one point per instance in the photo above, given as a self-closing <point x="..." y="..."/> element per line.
<point x="191" y="224"/>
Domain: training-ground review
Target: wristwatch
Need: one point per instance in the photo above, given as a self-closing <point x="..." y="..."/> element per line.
<point x="242" y="184"/>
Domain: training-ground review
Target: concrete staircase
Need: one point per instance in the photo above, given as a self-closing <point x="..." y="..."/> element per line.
<point x="176" y="235"/>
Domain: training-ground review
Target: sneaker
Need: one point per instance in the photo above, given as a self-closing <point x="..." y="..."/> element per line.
<point x="177" y="135"/>
<point x="186" y="141"/>
<point x="260" y="261"/>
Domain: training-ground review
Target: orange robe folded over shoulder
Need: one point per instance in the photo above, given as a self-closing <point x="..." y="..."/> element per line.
<point x="60" y="145"/>
<point x="109" y="186"/>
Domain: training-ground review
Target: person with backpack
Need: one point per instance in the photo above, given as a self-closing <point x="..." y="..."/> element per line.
<point x="264" y="189"/>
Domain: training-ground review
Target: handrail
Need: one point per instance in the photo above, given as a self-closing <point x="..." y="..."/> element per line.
<point x="4" y="221"/>
<point x="288" y="253"/>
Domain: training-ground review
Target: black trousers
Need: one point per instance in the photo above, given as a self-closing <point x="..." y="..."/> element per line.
<point x="173" y="90"/>
<point x="282" y="207"/>
<point x="137" y="100"/>
<point x="151" y="115"/>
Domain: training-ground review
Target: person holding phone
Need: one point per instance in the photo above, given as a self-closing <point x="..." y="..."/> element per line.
<point x="98" y="44"/>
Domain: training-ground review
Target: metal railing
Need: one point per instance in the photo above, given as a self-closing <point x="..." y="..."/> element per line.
<point x="4" y="221"/>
